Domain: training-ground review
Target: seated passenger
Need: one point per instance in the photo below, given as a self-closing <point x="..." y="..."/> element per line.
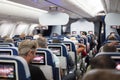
<point x="9" y="40"/>
<point x="42" y="43"/>
<point x="112" y="36"/>
<point x="27" y="49"/>
<point x="99" y="74"/>
<point x="22" y="36"/>
<point x="108" y="47"/>
<point x="102" y="62"/>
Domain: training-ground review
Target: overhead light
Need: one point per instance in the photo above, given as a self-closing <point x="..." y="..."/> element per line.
<point x="35" y="0"/>
<point x="92" y="7"/>
<point x="53" y="8"/>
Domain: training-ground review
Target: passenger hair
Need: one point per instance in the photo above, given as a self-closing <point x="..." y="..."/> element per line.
<point x="26" y="45"/>
<point x="102" y="62"/>
<point x="111" y="37"/>
<point x="109" y="47"/>
<point x="8" y="40"/>
<point x="42" y="42"/>
<point x="100" y="74"/>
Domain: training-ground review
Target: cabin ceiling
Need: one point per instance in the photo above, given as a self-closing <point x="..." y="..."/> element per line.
<point x="62" y="6"/>
<point x="111" y="6"/>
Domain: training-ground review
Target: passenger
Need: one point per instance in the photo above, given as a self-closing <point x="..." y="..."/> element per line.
<point x="109" y="47"/>
<point x="37" y="36"/>
<point x="22" y="36"/>
<point x="93" y="42"/>
<point x="102" y="62"/>
<point x="84" y="34"/>
<point x="81" y="50"/>
<point x="42" y="43"/>
<point x="6" y="36"/>
<point x="100" y="74"/>
<point x="112" y="36"/>
<point x="9" y="40"/>
<point x="27" y="49"/>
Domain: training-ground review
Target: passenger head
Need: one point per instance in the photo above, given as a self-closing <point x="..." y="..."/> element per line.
<point x="42" y="42"/>
<point x="100" y="74"/>
<point x="6" y="36"/>
<point x="9" y="40"/>
<point x="22" y="35"/>
<point x="102" y="62"/>
<point x="109" y="47"/>
<point x="84" y="33"/>
<point x="27" y="49"/>
<point x="112" y="37"/>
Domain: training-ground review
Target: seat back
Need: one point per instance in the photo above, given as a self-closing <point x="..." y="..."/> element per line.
<point x="71" y="50"/>
<point x="29" y="37"/>
<point x="7" y="45"/>
<point x="8" y="51"/>
<point x="118" y="48"/>
<point x="13" y="68"/>
<point x="60" y="50"/>
<point x="44" y="60"/>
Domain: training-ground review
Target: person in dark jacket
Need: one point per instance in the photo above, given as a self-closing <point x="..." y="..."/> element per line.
<point x="27" y="50"/>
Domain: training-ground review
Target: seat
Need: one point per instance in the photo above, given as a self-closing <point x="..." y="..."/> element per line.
<point x="59" y="49"/>
<point x="61" y="52"/>
<point x="29" y="37"/>
<point x="13" y="68"/>
<point x="72" y="50"/>
<point x="9" y="51"/>
<point x="7" y="45"/>
<point x="118" y="48"/>
<point x="108" y="53"/>
<point x="44" y="60"/>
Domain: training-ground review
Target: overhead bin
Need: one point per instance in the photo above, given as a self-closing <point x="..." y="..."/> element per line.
<point x="13" y="10"/>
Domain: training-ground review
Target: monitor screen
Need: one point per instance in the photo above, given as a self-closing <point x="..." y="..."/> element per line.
<point x="117" y="60"/>
<point x="68" y="46"/>
<point x="29" y="37"/>
<point x="39" y="58"/>
<point x="5" y="52"/>
<point x="7" y="71"/>
<point x="56" y="50"/>
<point x="118" y="49"/>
